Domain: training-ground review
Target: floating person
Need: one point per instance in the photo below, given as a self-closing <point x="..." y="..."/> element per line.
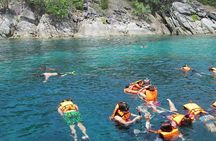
<point x="122" y="115"/>
<point x="47" y="75"/>
<point x="185" y="68"/>
<point x="213" y="70"/>
<point x="136" y="86"/>
<point x="213" y="111"/>
<point x="71" y="115"/>
<point x="167" y="132"/>
<point x="194" y="111"/>
<point x="45" y="68"/>
<point x="177" y="119"/>
<point x="150" y="96"/>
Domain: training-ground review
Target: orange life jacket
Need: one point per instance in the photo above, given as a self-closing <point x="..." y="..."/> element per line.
<point x="151" y="95"/>
<point x="193" y="108"/>
<point x="124" y="115"/>
<point x="177" y="118"/>
<point x="169" y="136"/>
<point x="67" y="106"/>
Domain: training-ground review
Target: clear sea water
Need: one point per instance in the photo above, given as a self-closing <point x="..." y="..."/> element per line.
<point x="103" y="68"/>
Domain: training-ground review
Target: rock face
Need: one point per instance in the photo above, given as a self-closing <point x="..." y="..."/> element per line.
<point x="183" y="19"/>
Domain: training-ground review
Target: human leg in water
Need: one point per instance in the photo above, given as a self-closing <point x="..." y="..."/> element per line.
<point x="83" y="129"/>
<point x="172" y="106"/>
<point x="73" y="132"/>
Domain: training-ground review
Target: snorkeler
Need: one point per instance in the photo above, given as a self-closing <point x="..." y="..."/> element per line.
<point x="150" y="95"/>
<point x="71" y="115"/>
<point x="194" y="111"/>
<point x="177" y="119"/>
<point x="122" y="115"/>
<point x="135" y="87"/>
<point x="45" y="68"/>
<point x="167" y="132"/>
<point x="213" y="70"/>
<point x="47" y="75"/>
<point x="185" y="68"/>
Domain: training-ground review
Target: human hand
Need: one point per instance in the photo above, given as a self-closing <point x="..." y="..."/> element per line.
<point x="110" y="118"/>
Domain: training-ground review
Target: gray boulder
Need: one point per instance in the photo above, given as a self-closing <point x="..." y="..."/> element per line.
<point x="208" y="24"/>
<point x="25" y="29"/>
<point x="183" y="8"/>
<point x="28" y="15"/>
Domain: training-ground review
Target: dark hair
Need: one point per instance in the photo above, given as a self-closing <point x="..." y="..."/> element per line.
<point x="123" y="106"/>
<point x="166" y="127"/>
<point x="151" y="88"/>
<point x="210" y="69"/>
<point x="186" y="120"/>
<point x="127" y="86"/>
<point x="67" y="99"/>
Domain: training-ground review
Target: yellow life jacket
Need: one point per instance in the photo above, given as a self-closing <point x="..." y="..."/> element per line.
<point x="177" y="118"/>
<point x="151" y="95"/>
<point x="67" y="106"/>
<point x="193" y="108"/>
<point x="124" y="115"/>
<point x="167" y="136"/>
<point x="214" y="104"/>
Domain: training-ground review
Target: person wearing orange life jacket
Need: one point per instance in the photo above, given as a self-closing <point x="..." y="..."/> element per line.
<point x="122" y="115"/>
<point x="150" y="95"/>
<point x="134" y="87"/>
<point x="71" y="115"/>
<point x="167" y="132"/>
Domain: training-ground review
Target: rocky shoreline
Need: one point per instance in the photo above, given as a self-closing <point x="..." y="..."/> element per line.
<point x="183" y="19"/>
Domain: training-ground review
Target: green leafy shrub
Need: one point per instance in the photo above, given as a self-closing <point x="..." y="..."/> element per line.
<point x="195" y="17"/>
<point x="208" y="2"/>
<point x="104" y="4"/>
<point x="57" y="8"/>
<point x="139" y="8"/>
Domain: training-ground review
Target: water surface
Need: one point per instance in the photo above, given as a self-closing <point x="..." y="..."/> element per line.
<point x="103" y="68"/>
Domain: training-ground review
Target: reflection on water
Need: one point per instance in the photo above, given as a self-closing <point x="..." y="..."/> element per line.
<point x="103" y="68"/>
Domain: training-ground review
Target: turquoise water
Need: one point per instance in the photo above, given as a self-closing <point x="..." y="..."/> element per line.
<point x="103" y="67"/>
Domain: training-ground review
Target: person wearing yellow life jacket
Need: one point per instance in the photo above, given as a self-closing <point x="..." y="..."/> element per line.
<point x="122" y="115"/>
<point x="177" y="119"/>
<point x="214" y="104"/>
<point x="72" y="117"/>
<point x="167" y="132"/>
<point x="193" y="109"/>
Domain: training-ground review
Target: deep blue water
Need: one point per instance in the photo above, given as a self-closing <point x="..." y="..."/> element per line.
<point x="103" y="67"/>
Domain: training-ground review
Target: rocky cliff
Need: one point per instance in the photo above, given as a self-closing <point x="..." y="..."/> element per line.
<point x="183" y="19"/>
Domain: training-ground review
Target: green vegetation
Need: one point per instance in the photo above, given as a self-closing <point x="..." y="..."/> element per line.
<point x="139" y="8"/>
<point x="195" y="17"/>
<point x="4" y="3"/>
<point x="57" y="8"/>
<point x="104" y="4"/>
<point x="153" y="6"/>
<point x="208" y="2"/>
